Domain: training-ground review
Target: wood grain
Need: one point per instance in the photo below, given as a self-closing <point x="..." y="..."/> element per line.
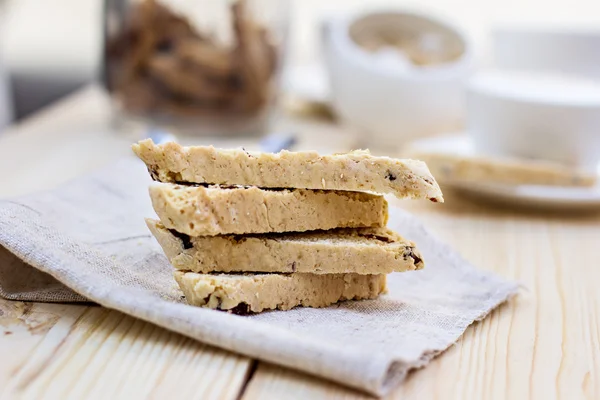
<point x="69" y="351"/>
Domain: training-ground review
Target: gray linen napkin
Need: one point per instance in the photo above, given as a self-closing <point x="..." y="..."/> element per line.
<point x="87" y="240"/>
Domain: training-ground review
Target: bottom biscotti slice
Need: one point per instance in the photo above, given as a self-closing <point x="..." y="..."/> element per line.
<point x="246" y="293"/>
<point x="361" y="251"/>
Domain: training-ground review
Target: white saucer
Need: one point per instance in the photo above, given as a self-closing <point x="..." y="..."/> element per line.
<point x="522" y="195"/>
<point x="534" y="195"/>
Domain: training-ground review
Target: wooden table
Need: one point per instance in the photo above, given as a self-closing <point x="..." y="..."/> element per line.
<point x="544" y="344"/>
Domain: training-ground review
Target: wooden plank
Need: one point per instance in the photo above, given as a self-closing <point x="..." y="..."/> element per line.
<point x="23" y="326"/>
<point x="92" y="352"/>
<point x="275" y="382"/>
<point x="57" y="144"/>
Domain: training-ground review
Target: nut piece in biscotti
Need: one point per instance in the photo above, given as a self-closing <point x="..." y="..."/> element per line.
<point x="250" y="293"/>
<point x="208" y="211"/>
<point x="354" y="171"/>
<point x="360" y="250"/>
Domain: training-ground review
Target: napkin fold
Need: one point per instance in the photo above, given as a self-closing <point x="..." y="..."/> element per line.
<point x="87" y="241"/>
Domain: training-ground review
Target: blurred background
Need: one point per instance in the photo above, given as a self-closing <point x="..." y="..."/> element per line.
<point x="515" y="83"/>
<point x="52" y="47"/>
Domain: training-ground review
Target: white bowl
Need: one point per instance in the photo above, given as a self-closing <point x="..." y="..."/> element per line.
<point x="536" y="115"/>
<point x="382" y="93"/>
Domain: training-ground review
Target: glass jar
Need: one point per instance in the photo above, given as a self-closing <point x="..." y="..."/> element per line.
<point x="202" y="67"/>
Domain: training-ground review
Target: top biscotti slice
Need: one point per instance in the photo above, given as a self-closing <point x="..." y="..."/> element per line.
<point x="354" y="171"/>
<point x="209" y="211"/>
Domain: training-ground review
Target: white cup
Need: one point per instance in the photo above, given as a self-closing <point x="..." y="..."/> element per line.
<point x="536" y="116"/>
<point x="567" y="50"/>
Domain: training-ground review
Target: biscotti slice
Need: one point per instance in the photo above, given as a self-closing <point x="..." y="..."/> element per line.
<point x="478" y="169"/>
<point x="360" y="250"/>
<point x="454" y="159"/>
<point x="209" y="211"/>
<point x="246" y="293"/>
<point x="355" y="171"/>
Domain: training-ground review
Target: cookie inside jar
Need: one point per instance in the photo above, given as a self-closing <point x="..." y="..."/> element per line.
<point x="195" y="61"/>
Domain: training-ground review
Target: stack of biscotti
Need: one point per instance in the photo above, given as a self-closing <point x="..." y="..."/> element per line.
<point x="247" y="232"/>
